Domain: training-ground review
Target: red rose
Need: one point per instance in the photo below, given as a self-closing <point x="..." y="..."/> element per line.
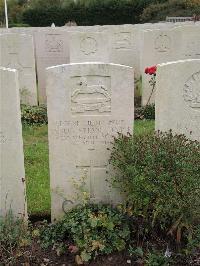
<point x="151" y="70"/>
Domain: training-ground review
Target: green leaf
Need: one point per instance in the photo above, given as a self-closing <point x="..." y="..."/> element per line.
<point x="85" y="256"/>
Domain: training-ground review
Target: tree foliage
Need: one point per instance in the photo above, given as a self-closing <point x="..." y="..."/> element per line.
<point x="159" y="11"/>
<point x="15" y="10"/>
<point x="84" y="12"/>
<point x="95" y="12"/>
<point x="2" y="17"/>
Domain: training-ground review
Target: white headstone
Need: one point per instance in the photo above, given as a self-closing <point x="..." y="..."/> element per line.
<point x="52" y="48"/>
<point x="87" y="105"/>
<point x="17" y="52"/>
<point x="12" y="174"/>
<point x="89" y="47"/>
<point x="178" y="98"/>
<point x="158" y="46"/>
<point x="190" y="42"/>
<point x="125" y="46"/>
<point x="117" y="44"/>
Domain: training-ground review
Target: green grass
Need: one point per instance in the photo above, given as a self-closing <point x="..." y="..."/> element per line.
<point x="37" y="169"/>
<point x="37" y="165"/>
<point x="143" y="127"/>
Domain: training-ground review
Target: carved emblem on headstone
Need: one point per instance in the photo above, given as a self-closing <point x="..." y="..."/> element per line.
<point x="123" y="40"/>
<point x="53" y="43"/>
<point x="88" y="45"/>
<point x="192" y="91"/>
<point x="90" y="97"/>
<point x="162" y="43"/>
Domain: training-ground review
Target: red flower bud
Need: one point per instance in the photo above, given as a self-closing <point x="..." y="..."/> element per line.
<point x="151" y="70"/>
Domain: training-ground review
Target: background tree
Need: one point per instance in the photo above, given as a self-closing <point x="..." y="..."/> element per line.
<point x="85" y="12"/>
<point x="2" y="16"/>
<point x="159" y="12"/>
<point x="15" y="11"/>
<point x="94" y="12"/>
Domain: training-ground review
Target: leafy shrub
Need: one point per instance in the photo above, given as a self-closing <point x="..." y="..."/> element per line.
<point x="160" y="176"/>
<point x="33" y="115"/>
<point x="145" y="112"/>
<point x="13" y="25"/>
<point x="94" y="230"/>
<point x="149" y="111"/>
<point x="193" y="244"/>
<point x="159" y="11"/>
<point x="136" y="252"/>
<point x="94" y="12"/>
<point x="41" y="17"/>
<point x="156" y="259"/>
<point x="13" y="236"/>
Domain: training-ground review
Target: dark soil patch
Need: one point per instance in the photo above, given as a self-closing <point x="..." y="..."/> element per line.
<point x="35" y="255"/>
<point x="38" y="218"/>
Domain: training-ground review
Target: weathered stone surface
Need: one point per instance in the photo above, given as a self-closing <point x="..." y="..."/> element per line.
<point x="178" y="98"/>
<point x="158" y="46"/>
<point x="87" y="105"/>
<point x="52" y="48"/>
<point x="111" y="43"/>
<point x="17" y="52"/>
<point x="89" y="47"/>
<point x="12" y="174"/>
<point x="190" y="42"/>
<point x="124" y="46"/>
<point x="167" y="45"/>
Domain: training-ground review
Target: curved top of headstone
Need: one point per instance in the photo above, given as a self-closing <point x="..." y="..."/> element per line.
<point x="89" y="63"/>
<point x="179" y="62"/>
<point x="7" y="69"/>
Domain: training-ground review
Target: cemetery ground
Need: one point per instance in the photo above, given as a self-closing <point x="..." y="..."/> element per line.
<point x="89" y="103"/>
<point x="37" y="165"/>
<point x="41" y="245"/>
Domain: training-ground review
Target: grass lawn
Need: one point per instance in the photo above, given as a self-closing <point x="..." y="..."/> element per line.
<point x="37" y="169"/>
<point x="37" y="165"/>
<point x="142" y="127"/>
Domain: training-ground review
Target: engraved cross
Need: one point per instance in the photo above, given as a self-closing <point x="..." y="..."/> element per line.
<point x="92" y="166"/>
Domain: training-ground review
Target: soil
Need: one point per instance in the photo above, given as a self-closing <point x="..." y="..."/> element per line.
<point x="35" y="255"/>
